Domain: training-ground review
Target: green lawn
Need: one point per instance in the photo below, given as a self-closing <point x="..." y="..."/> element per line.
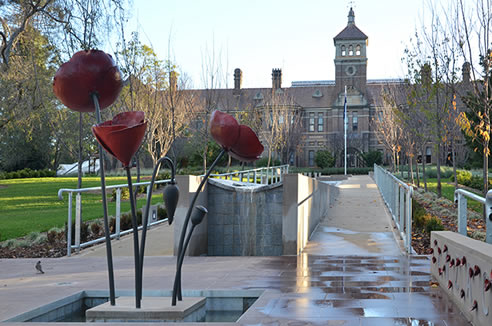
<point x="448" y="192"/>
<point x="28" y="205"/>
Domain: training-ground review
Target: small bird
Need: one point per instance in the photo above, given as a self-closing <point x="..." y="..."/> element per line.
<point x="38" y="267"/>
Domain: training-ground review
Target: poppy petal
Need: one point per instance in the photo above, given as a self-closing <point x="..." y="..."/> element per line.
<point x="224" y="129"/>
<point x="122" y="136"/>
<point x="248" y="147"/>
<point x="86" y="73"/>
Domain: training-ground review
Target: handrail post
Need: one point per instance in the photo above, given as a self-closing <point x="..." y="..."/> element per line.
<point x="488" y="217"/>
<point x="69" y="225"/>
<point x="118" y="213"/>
<point x="402" y="209"/>
<point x="462" y="212"/>
<point x="78" y="220"/>
<point x="409" y="220"/>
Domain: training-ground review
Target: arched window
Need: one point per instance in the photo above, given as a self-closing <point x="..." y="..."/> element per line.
<point x="343" y="51"/>
<point x="351" y="50"/>
<point x="357" y="50"/>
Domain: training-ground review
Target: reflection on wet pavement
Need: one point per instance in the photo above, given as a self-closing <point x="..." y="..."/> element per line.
<point x="350" y="290"/>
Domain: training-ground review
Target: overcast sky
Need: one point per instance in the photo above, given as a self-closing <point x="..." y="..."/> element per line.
<point x="258" y="35"/>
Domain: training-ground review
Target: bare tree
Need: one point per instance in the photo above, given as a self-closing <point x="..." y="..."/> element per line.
<point x="281" y="121"/>
<point x="472" y="30"/>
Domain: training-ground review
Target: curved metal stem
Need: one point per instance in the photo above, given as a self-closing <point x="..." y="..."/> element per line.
<point x="107" y="235"/>
<point x="138" y="277"/>
<point x="177" y="280"/>
<point x="145" y="218"/>
<point x="181" y="258"/>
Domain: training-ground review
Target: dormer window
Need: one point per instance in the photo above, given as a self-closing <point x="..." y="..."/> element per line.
<point x="357" y="50"/>
<point x="343" y="51"/>
<point x="351" y="50"/>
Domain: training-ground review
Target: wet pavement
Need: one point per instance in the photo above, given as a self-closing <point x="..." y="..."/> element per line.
<point x="351" y="273"/>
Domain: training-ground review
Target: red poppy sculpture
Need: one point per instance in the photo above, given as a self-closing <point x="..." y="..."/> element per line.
<point x="88" y="72"/>
<point x="122" y="136"/>
<point x="239" y="140"/>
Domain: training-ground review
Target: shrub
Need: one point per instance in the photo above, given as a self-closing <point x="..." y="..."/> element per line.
<point x="433" y="223"/>
<point x="52" y="237"/>
<point x="324" y="159"/>
<point x="418" y="214"/>
<point x="161" y="213"/>
<point x="372" y="157"/>
<point x="125" y="194"/>
<point x="84" y="232"/>
<point x="263" y="162"/>
<point x="95" y="228"/>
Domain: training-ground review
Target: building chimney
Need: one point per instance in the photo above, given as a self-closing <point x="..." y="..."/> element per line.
<point x="276" y="78"/>
<point x="466" y="72"/>
<point x="238" y="78"/>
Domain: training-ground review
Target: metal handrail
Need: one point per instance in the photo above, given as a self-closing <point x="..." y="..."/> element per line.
<point x="78" y="210"/>
<point x="460" y="196"/>
<point x="251" y="176"/>
<point x="397" y="196"/>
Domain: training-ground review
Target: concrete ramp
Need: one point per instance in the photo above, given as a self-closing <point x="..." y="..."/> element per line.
<point x="358" y="224"/>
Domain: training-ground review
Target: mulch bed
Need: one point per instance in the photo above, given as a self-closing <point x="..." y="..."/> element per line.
<point x="44" y="250"/>
<point x="421" y="239"/>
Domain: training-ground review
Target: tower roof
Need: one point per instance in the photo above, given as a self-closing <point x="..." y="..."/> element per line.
<point x="351" y="32"/>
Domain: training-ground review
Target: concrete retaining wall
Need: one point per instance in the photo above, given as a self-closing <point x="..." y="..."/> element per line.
<point x="306" y="201"/>
<point x="464" y="282"/>
<point x="244" y="221"/>
<point x="254" y="220"/>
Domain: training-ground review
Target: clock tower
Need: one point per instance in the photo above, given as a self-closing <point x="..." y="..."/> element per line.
<point x="350" y="58"/>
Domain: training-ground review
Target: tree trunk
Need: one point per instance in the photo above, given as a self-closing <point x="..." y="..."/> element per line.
<point x="423" y="171"/>
<point x="410" y="162"/>
<point x="453" y="151"/>
<point x="205" y="159"/>
<point x="418" y="172"/>
<point x="438" y="168"/>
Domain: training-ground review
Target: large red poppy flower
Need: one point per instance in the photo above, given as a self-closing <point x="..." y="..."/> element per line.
<point x="122" y="136"/>
<point x="88" y="72"/>
<point x="239" y="140"/>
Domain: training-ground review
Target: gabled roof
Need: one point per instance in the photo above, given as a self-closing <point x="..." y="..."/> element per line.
<point x="351" y="32"/>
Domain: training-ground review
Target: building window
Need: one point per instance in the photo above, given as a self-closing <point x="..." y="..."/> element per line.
<point x="311" y="122"/>
<point x="320" y="122"/>
<point x="355" y="121"/>
<point x="428" y="155"/>
<point x="311" y="158"/>
<point x="351" y="50"/>
<point x="357" y="50"/>
<point x="343" y="51"/>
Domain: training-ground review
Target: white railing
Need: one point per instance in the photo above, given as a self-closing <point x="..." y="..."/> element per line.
<point x="78" y="213"/>
<point x="260" y="175"/>
<point x="460" y="197"/>
<point x="398" y="197"/>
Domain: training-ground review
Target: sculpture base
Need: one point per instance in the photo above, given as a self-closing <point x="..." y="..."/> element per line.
<point x="154" y="309"/>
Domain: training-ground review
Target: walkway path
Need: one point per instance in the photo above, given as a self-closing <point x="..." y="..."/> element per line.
<point x="351" y="273"/>
<point x="358" y="224"/>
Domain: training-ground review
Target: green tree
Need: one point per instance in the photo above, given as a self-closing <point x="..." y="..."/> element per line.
<point x="372" y="157"/>
<point x="324" y="159"/>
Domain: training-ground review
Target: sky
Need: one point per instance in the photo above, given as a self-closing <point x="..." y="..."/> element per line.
<point x="258" y="35"/>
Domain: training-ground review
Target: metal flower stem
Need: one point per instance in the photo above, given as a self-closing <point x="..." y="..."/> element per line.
<point x="147" y="209"/>
<point x="138" y="277"/>
<point x="177" y="278"/>
<point x="107" y="235"/>
<point x="180" y="261"/>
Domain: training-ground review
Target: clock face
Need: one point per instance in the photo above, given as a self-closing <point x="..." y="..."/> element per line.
<point x="350" y="70"/>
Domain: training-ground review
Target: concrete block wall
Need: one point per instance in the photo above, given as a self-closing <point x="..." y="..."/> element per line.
<point x="463" y="268"/>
